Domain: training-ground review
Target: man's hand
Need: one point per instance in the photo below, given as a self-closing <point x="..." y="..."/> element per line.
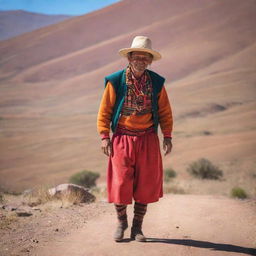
<point x="167" y="145"/>
<point x="106" y="147"/>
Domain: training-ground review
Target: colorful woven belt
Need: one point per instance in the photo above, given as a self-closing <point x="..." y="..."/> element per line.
<point x="124" y="131"/>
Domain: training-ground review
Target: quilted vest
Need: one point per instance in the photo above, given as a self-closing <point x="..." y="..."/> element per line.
<point x="118" y="80"/>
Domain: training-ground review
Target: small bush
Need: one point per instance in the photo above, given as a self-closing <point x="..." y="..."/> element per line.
<point x="238" y="192"/>
<point x="169" y="174"/>
<point x="254" y="175"/>
<point x="204" y="169"/>
<point x="85" y="178"/>
<point x="174" y="190"/>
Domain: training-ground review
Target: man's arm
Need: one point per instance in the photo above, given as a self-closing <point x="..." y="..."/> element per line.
<point x="104" y="117"/>
<point x="165" y="119"/>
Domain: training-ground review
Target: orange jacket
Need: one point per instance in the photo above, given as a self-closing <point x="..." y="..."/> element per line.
<point x="133" y="122"/>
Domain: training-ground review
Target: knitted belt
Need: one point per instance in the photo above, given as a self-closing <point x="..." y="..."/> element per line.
<point x="124" y="131"/>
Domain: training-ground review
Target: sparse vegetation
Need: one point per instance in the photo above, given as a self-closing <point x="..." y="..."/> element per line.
<point x="207" y="133"/>
<point x="1" y="197"/>
<point x="169" y="174"/>
<point x="72" y="197"/>
<point x="39" y="196"/>
<point x="174" y="190"/>
<point x="238" y="192"/>
<point x="204" y="169"/>
<point x="7" y="220"/>
<point x="254" y="175"/>
<point x="85" y="178"/>
<point x="99" y="192"/>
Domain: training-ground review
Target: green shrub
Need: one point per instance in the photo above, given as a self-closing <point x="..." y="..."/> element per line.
<point x="238" y="192"/>
<point x="204" y="169"/>
<point x="85" y="178"/>
<point x="169" y="174"/>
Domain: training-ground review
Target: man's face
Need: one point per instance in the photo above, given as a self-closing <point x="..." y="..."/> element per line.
<point x="139" y="61"/>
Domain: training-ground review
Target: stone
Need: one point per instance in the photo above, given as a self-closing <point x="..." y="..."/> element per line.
<point x="23" y="213"/>
<point x="86" y="196"/>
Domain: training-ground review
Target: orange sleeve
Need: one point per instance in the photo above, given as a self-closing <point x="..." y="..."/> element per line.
<point x="106" y="110"/>
<point x="165" y="113"/>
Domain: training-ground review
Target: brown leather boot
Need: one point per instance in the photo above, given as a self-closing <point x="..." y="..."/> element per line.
<point x="137" y="235"/>
<point x="136" y="231"/>
<point x="119" y="233"/>
<point x="122" y="222"/>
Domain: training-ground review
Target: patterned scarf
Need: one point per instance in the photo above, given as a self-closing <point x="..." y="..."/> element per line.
<point x="139" y="94"/>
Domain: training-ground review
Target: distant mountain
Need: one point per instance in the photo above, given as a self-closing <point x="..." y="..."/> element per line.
<point x="17" y="22"/>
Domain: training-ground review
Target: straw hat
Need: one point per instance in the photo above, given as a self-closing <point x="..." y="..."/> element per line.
<point x="140" y="44"/>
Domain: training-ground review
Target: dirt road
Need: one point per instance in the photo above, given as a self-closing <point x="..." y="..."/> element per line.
<point x="176" y="225"/>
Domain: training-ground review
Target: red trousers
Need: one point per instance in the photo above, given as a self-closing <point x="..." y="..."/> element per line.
<point x="135" y="169"/>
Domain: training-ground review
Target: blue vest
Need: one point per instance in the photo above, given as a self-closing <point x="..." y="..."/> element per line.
<point x="118" y="80"/>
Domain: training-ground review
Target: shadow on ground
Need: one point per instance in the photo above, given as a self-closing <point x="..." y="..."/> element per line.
<point x="205" y="244"/>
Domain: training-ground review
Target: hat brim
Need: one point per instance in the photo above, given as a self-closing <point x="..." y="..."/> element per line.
<point x="156" y="55"/>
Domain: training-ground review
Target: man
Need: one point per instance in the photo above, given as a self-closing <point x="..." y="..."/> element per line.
<point x="134" y="103"/>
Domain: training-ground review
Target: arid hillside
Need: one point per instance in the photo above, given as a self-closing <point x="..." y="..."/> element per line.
<point x="51" y="82"/>
<point x="17" y="22"/>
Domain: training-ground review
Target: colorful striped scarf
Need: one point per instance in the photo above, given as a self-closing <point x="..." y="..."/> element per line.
<point x="138" y="99"/>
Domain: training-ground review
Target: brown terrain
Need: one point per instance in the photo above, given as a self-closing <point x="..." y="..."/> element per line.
<point x="17" y="22"/>
<point x="51" y="83"/>
<point x="182" y="225"/>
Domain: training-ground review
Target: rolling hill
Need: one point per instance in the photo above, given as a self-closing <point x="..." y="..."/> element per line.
<point x="51" y="82"/>
<point x="17" y="22"/>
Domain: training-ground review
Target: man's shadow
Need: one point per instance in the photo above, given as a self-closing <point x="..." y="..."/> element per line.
<point x="202" y="244"/>
<point x="205" y="244"/>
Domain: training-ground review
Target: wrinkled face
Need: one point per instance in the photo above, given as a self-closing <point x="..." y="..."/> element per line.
<point x="139" y="60"/>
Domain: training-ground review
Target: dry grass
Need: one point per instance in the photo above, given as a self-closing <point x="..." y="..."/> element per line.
<point x="99" y="192"/>
<point x="1" y="197"/>
<point x="173" y="189"/>
<point x="7" y="220"/>
<point x="41" y="196"/>
<point x="70" y="198"/>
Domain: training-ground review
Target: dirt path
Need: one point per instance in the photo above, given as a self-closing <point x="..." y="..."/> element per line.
<point x="176" y="225"/>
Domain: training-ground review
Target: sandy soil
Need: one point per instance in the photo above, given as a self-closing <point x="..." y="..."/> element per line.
<point x="176" y="225"/>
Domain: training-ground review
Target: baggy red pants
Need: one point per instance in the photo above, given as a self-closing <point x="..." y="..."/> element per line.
<point x="135" y="169"/>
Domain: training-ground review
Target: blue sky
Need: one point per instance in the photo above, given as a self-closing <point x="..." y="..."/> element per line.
<point x="71" y="7"/>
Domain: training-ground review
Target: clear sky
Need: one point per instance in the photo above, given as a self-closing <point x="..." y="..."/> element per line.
<point x="71" y="7"/>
